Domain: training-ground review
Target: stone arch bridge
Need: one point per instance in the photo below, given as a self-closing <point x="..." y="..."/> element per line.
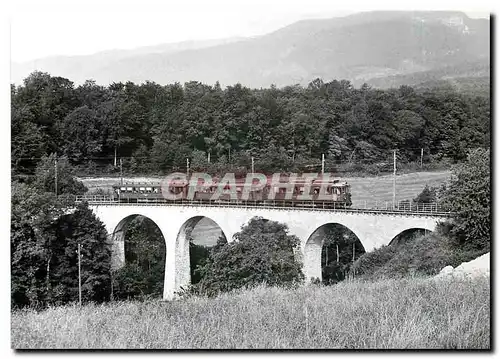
<point x="373" y="229"/>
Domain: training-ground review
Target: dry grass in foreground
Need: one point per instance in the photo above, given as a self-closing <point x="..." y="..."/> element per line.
<point x="410" y="313"/>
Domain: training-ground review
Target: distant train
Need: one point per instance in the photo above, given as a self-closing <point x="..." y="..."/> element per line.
<point x="331" y="192"/>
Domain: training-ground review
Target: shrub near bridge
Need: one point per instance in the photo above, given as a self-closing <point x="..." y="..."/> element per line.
<point x="425" y="255"/>
<point x="262" y="252"/>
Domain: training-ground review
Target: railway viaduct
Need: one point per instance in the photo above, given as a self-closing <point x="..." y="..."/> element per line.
<point x="372" y="228"/>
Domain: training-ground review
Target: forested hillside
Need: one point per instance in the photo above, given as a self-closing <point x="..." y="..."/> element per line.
<point x="154" y="128"/>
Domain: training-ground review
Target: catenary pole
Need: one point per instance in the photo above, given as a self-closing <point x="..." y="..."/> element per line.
<point x="79" y="276"/>
<point x="55" y="173"/>
<point x="121" y="171"/>
<point x="394" y="183"/>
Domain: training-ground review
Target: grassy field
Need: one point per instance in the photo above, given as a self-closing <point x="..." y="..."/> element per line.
<point x="363" y="189"/>
<point x="410" y="313"/>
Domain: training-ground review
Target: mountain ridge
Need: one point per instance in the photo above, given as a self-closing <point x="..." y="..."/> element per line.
<point x="361" y="47"/>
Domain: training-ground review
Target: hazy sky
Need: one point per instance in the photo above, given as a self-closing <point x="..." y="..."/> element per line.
<point x="54" y="27"/>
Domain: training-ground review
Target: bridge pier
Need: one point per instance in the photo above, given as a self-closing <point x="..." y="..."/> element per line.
<point x="312" y="256"/>
<point x="117" y="254"/>
<point x="177" y="266"/>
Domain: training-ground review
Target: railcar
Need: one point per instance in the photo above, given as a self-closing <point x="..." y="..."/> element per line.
<point x="326" y="193"/>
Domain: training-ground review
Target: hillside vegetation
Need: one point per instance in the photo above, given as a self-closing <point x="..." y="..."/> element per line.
<point x="388" y="314"/>
<point x="154" y="130"/>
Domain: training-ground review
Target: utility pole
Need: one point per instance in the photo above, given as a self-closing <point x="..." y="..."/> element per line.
<point x="55" y="168"/>
<point x="253" y="167"/>
<point x="394" y="183"/>
<point x="322" y="163"/>
<point x="187" y="167"/>
<point x="121" y="171"/>
<point x="79" y="276"/>
<point x="421" y="157"/>
<point x="208" y="158"/>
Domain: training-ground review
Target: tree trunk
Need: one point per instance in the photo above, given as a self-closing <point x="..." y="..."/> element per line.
<point x="111" y="297"/>
<point x="337" y="252"/>
<point x="47" y="278"/>
<point x="115" y="155"/>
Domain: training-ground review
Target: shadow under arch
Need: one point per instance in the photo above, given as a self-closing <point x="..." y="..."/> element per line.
<point x="408" y="235"/>
<point x="138" y="240"/>
<point x="329" y="251"/>
<point x="202" y="231"/>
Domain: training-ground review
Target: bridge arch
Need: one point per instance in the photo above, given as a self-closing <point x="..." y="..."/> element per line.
<point x="121" y="253"/>
<point x="314" y="248"/>
<point x="408" y="235"/>
<point x="118" y="238"/>
<point x="182" y="252"/>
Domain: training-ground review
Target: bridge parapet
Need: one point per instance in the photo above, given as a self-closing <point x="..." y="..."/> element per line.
<point x="376" y="207"/>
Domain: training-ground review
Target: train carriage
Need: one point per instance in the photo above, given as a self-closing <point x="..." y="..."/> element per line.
<point x="278" y="193"/>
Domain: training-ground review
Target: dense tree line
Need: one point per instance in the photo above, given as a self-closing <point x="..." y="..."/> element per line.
<point x="45" y="232"/>
<point x="155" y="128"/>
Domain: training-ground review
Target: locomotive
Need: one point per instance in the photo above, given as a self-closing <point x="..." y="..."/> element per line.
<point x="336" y="193"/>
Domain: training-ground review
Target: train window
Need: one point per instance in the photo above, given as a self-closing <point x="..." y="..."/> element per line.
<point x="123" y="189"/>
<point x="155" y="190"/>
<point x="149" y="189"/>
<point x="129" y="189"/>
<point x="316" y="191"/>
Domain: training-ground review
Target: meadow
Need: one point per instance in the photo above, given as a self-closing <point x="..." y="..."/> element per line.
<point x="411" y="313"/>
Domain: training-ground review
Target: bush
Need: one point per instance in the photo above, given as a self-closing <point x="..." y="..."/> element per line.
<point x="262" y="252"/>
<point x="425" y="255"/>
<point x="468" y="197"/>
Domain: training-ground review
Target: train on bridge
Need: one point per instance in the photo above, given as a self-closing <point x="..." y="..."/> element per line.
<point x="331" y="192"/>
